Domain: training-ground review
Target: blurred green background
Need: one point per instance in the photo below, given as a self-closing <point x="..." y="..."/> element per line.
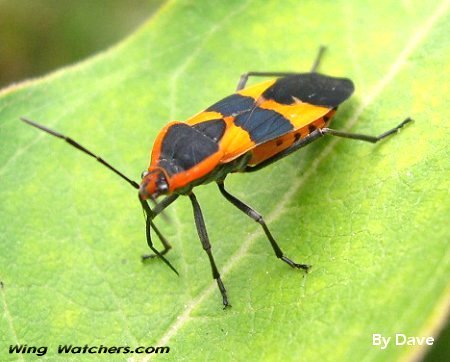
<point x="37" y="36"/>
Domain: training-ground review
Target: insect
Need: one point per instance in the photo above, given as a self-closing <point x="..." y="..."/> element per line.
<point x="244" y="132"/>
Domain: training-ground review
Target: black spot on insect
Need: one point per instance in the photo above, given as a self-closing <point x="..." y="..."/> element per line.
<point x="311" y="128"/>
<point x="326" y="119"/>
<point x="279" y="142"/>
<point x="232" y="105"/>
<point x="263" y="124"/>
<point x="213" y="129"/>
<point x="296" y="137"/>
<point x="312" y="88"/>
<point x="184" y="147"/>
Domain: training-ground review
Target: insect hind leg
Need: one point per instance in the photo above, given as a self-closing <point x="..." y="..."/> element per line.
<point x="364" y="137"/>
<point x="260" y="220"/>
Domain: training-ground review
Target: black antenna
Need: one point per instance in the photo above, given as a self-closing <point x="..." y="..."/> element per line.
<point x="75" y="144"/>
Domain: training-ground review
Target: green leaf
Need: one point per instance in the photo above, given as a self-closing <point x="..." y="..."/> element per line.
<point x="371" y="219"/>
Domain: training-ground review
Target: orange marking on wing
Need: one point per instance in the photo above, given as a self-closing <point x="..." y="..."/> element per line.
<point x="234" y="135"/>
<point x="256" y="90"/>
<point x="299" y="114"/>
<point x="203" y="117"/>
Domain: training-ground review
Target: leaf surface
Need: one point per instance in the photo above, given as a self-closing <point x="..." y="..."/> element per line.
<point x="371" y="219"/>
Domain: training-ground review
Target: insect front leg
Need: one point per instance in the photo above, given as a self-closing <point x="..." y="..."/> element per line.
<point x="363" y="137"/>
<point x="149" y="215"/>
<point x="158" y="209"/>
<point x="203" y="235"/>
<point x="259" y="219"/>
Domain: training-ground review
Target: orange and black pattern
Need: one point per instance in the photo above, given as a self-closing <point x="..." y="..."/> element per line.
<point x="261" y="120"/>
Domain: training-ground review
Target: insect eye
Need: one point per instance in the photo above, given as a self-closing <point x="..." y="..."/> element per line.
<point x="144" y="173"/>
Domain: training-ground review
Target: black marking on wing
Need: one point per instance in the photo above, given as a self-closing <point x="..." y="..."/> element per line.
<point x="232" y="105"/>
<point x="263" y="124"/>
<point x="312" y="88"/>
<point x="213" y="129"/>
<point x="184" y="147"/>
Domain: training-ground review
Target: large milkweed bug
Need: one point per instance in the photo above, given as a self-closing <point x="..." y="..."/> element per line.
<point x="243" y="132"/>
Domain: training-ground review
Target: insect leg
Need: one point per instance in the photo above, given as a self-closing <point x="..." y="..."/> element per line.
<point x="244" y="77"/>
<point x="318" y="59"/>
<point x="148" y="225"/>
<point x="363" y="137"/>
<point x="158" y="209"/>
<point x="319" y="133"/>
<point x="203" y="235"/>
<point x="259" y="219"/>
